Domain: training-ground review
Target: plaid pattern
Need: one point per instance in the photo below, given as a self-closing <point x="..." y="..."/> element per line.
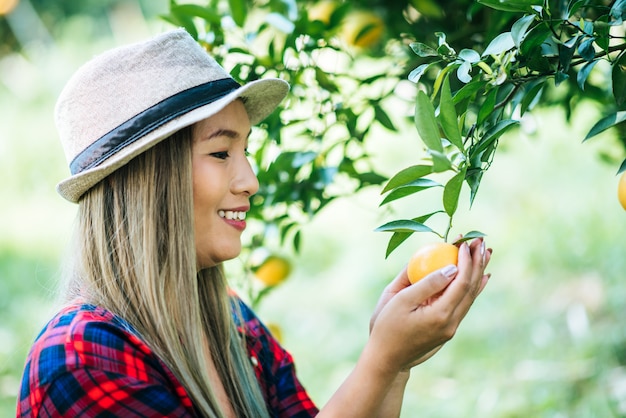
<point x="88" y="362"/>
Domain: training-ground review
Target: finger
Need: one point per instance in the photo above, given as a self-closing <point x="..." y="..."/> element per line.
<point x="430" y="285"/>
<point x="468" y="282"/>
<point x="400" y="282"/>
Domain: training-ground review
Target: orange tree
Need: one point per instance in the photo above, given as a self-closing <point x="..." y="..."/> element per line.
<point x="477" y="67"/>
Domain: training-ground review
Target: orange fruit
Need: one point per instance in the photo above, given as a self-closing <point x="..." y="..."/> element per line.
<point x="7" y="6"/>
<point x="362" y="29"/>
<point x="621" y="190"/>
<point x="429" y="258"/>
<point x="273" y="271"/>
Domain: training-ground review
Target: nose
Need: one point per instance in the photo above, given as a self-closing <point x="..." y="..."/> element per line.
<point x="245" y="179"/>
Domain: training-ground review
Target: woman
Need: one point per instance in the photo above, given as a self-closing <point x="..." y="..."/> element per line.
<point x="156" y="135"/>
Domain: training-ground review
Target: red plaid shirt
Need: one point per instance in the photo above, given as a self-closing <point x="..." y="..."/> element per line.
<point x="87" y="362"/>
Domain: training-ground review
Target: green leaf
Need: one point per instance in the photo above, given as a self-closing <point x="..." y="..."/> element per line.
<point x="606" y="123"/>
<point x="501" y="43"/>
<point x="396" y="239"/>
<point x="469" y="236"/>
<point x="535" y="38"/>
<point x="473" y="178"/>
<point x="441" y="162"/>
<point x="406" y="176"/>
<point x="451" y="193"/>
<point x="469" y="55"/>
<point x="486" y="108"/>
<point x="468" y="91"/>
<point x="403" y="225"/>
<point x="618" y="78"/>
<point x="532" y="97"/>
<point x="409" y="189"/>
<point x="498" y="130"/>
<point x="423" y="50"/>
<point x="426" y="123"/>
<point x="418" y="72"/>
<point x="519" y="29"/>
<point x="586" y="49"/>
<point x="448" y="116"/>
<point x="194" y="10"/>
<point x="239" y="11"/>
<point x="582" y="75"/>
<point x="512" y="5"/>
<point x="463" y="72"/>
<point x="622" y="167"/>
<point x="382" y="117"/>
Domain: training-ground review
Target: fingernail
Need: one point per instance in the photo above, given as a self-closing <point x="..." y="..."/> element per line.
<point x="483" y="253"/>
<point x="449" y="271"/>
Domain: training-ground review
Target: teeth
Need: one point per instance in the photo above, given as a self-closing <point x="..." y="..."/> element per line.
<point x="232" y="215"/>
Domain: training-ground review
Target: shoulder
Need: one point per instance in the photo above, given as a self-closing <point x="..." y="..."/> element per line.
<point x="87" y="336"/>
<point x="84" y="348"/>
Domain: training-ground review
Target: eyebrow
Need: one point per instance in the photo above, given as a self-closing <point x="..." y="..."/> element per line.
<point x="228" y="133"/>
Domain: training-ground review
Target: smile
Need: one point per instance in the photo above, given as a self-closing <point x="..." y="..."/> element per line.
<point x="232" y="215"/>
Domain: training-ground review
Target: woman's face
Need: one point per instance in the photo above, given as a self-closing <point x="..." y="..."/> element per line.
<point x="223" y="182"/>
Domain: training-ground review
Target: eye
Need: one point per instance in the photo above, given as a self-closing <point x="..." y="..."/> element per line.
<point x="222" y="155"/>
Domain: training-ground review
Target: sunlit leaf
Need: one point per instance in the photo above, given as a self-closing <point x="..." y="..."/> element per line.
<point x="406" y="176"/>
<point x="280" y="22"/>
<point x="501" y="43"/>
<point x="426" y="123"/>
<point x="606" y="123"/>
<point x="423" y="50"/>
<point x="512" y="5"/>
<point x="469" y="55"/>
<point x="448" y="117"/>
<point x="618" y="10"/>
<point x="520" y="28"/>
<point x="418" y="72"/>
<point x="451" y="193"/>
<point x="463" y="72"/>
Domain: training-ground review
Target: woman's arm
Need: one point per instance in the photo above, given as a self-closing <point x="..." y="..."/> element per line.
<point x="405" y="331"/>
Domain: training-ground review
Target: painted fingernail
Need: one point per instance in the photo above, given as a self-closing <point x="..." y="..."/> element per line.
<point x="449" y="271"/>
<point x="483" y="252"/>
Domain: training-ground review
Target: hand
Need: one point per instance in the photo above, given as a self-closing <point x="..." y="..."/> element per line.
<point x="412" y="322"/>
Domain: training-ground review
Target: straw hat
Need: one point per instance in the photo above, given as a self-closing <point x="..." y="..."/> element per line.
<point x="126" y="100"/>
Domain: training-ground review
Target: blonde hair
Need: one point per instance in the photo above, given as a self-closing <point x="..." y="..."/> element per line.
<point x="136" y="257"/>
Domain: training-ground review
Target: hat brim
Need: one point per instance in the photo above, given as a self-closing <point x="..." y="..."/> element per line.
<point x="261" y="97"/>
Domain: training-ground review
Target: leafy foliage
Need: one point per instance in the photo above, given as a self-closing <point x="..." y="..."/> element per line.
<point x="490" y="62"/>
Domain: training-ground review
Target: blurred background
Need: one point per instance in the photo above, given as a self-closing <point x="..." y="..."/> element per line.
<point x="545" y="339"/>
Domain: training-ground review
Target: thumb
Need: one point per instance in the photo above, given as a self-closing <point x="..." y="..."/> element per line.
<point x="432" y="284"/>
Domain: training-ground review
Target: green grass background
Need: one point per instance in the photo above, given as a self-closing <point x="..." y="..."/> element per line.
<point x="545" y="339"/>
